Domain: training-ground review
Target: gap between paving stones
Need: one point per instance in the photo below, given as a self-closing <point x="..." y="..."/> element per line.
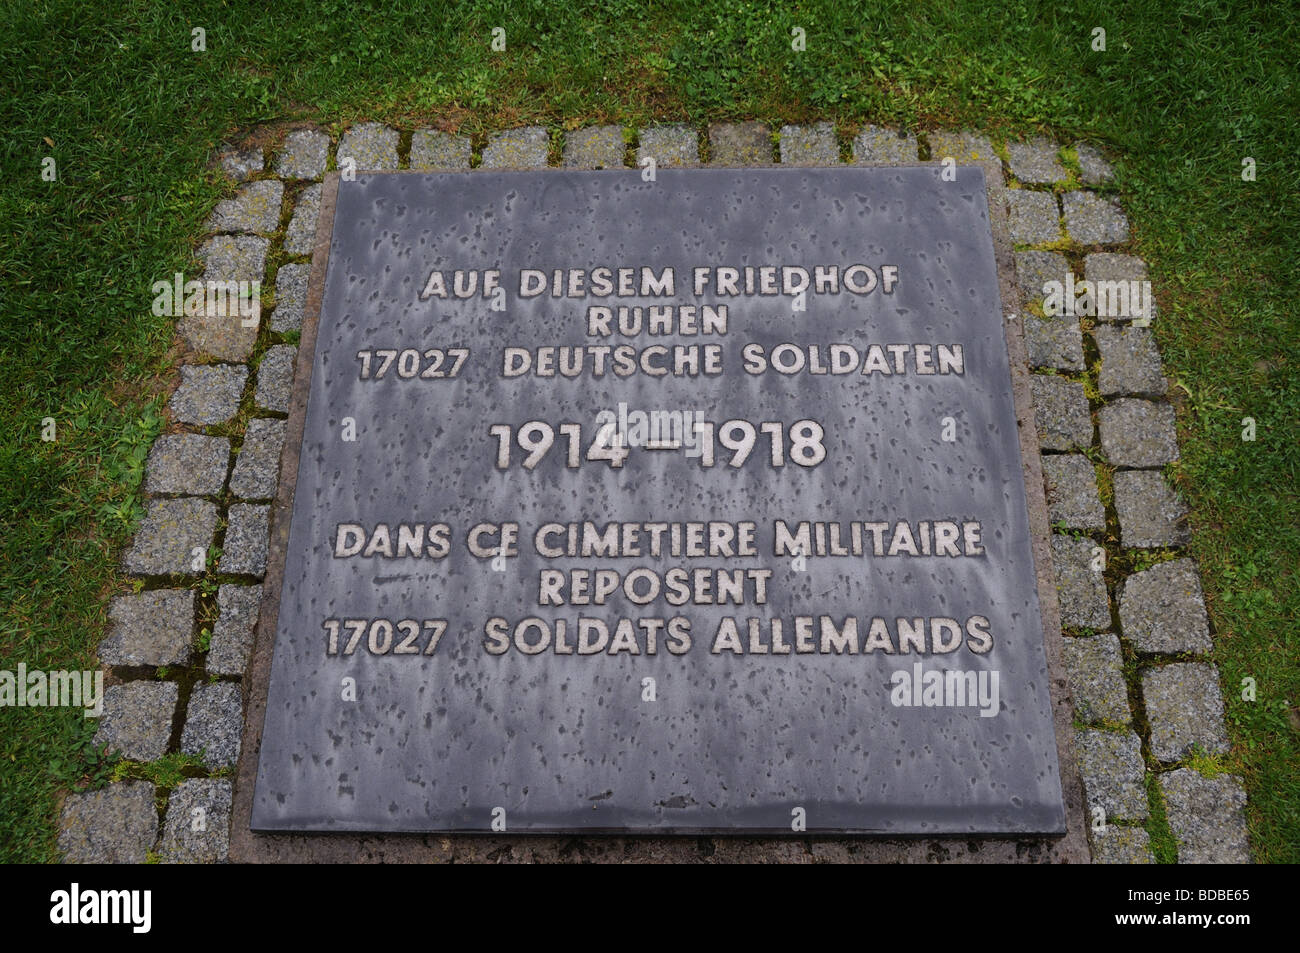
<point x="1053" y="193"/>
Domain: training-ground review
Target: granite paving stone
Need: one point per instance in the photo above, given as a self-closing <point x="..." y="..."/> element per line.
<point x="1184" y="709"/>
<point x="1034" y="218"/>
<point x="290" y="297"/>
<point x="232" y="636"/>
<point x="523" y="148"/>
<point x="1162" y="609"/>
<point x="432" y="151"/>
<point x="137" y="719"/>
<point x="1094" y="665"/>
<point x="167" y="536"/>
<point x="965" y="147"/>
<point x="275" y="378"/>
<point x="1035" y="161"/>
<point x="218" y="336"/>
<point x="830" y="853"/>
<point x="114" y="825"/>
<point x="1072" y="496"/>
<point x="1122" y="845"/>
<point x="196" y="829"/>
<point x="1092" y="164"/>
<point x="1130" y="361"/>
<point x="596" y="147"/>
<point x="1207" y="817"/>
<point x="228" y="332"/>
<point x="1055" y="342"/>
<point x="1111" y="299"/>
<point x="740" y="143"/>
<point x="733" y="851"/>
<point x="149" y="628"/>
<point x="1034" y="269"/>
<point x="304" y="155"/>
<point x="1150" y="512"/>
<point x="257" y="468"/>
<point x="213" y="724"/>
<point x="208" y="394"/>
<point x="809" y="145"/>
<point x="221" y="336"/>
<point x="1112" y="769"/>
<point x="1092" y="220"/>
<point x="1061" y="411"/>
<point x="300" y="237"/>
<point x="244" y="550"/>
<point x="187" y="463"/>
<point x="876" y="144"/>
<point x="1080" y="588"/>
<point x="1112" y="266"/>
<point x="234" y="258"/>
<point x="372" y="145"/>
<point x="671" y="145"/>
<point x="255" y="208"/>
<point x="240" y="164"/>
<point x="1137" y="433"/>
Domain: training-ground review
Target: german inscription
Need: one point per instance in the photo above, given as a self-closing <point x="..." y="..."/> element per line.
<point x="690" y="504"/>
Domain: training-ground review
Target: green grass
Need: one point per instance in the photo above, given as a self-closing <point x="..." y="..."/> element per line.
<point x="1183" y="92"/>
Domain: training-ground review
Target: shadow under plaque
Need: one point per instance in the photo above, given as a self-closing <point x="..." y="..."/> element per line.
<point x="711" y="519"/>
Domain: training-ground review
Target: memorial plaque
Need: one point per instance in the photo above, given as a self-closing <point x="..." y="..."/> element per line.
<point x="683" y="505"/>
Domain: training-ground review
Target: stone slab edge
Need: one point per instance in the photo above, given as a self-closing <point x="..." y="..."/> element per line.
<point x="249" y="847"/>
<point x="245" y="846"/>
<point x="1073" y="847"/>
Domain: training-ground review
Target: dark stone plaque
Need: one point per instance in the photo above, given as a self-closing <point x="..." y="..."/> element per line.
<point x="682" y="505"/>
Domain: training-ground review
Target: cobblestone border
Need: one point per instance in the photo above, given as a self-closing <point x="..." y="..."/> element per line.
<point x="1135" y="629"/>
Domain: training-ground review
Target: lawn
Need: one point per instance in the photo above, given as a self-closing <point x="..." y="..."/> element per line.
<point x="131" y="114"/>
